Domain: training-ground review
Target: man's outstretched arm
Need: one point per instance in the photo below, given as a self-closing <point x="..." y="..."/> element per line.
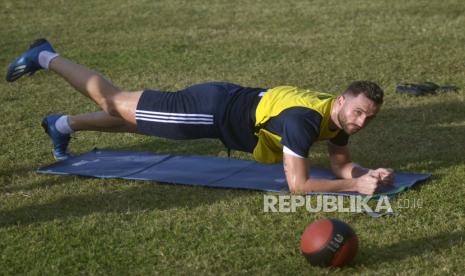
<point x="297" y="169"/>
<point x="343" y="167"/>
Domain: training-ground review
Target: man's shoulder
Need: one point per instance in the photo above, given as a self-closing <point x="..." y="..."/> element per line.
<point x="301" y="113"/>
<point x="298" y="118"/>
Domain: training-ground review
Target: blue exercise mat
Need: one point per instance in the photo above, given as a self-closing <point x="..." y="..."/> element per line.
<point x="197" y="170"/>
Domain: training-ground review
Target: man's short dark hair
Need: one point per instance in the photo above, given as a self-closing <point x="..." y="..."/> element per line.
<point x="370" y="89"/>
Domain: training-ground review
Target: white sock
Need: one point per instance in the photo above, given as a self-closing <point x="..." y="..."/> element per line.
<point x="45" y="57"/>
<point x="62" y="125"/>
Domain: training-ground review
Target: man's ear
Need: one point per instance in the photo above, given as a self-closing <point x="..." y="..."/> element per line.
<point x="340" y="100"/>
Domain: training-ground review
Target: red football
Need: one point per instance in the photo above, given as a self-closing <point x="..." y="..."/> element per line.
<point x="329" y="242"/>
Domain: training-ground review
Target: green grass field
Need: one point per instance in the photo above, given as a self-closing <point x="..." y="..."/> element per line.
<point x="55" y="225"/>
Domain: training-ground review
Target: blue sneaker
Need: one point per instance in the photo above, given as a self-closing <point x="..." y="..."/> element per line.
<point x="28" y="62"/>
<point x="60" y="141"/>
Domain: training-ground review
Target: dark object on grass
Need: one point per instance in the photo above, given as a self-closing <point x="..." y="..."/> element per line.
<point x="329" y="242"/>
<point x="424" y="88"/>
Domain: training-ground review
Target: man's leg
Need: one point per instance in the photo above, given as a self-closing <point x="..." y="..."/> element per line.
<point x="110" y="98"/>
<point x="99" y="121"/>
<point x="119" y="105"/>
<point x="60" y="127"/>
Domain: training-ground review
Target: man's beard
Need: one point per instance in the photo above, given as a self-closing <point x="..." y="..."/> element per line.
<point x="346" y="126"/>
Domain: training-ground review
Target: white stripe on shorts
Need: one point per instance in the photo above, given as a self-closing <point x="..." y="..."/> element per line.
<point x="175" y="122"/>
<point x="174" y="118"/>
<point x="140" y="112"/>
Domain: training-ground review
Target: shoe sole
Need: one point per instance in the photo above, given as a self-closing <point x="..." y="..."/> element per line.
<point x="20" y="70"/>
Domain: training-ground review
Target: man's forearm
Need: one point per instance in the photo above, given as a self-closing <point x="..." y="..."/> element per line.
<point x="325" y="185"/>
<point x="350" y="170"/>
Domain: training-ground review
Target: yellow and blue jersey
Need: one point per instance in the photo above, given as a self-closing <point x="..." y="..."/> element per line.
<point x="282" y="116"/>
<point x="295" y="118"/>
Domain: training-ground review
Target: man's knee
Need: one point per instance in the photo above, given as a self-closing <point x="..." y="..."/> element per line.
<point x="108" y="105"/>
<point x="113" y="111"/>
<point x="122" y="104"/>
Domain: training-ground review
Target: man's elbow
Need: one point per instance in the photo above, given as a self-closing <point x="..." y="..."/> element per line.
<point x="299" y="187"/>
<point x="293" y="189"/>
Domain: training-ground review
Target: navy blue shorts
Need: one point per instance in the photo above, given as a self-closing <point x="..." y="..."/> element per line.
<point x="190" y="113"/>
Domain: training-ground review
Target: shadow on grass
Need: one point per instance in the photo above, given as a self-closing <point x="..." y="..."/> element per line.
<point x="12" y="172"/>
<point x="10" y="176"/>
<point x="145" y="197"/>
<point x="376" y="255"/>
